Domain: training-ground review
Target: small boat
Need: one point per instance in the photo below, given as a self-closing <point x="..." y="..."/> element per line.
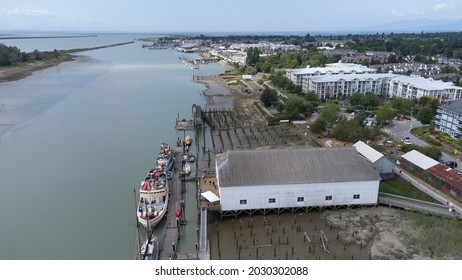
<point x="178" y="213"/>
<point x="188" y="140"/>
<point x="150" y="249"/>
<point x="186" y="169"/>
<point x="165" y="157"/>
<point x="192" y="158"/>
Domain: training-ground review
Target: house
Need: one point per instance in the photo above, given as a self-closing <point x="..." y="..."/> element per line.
<point x="278" y="179"/>
<point x="449" y="119"/>
<point x="384" y="166"/>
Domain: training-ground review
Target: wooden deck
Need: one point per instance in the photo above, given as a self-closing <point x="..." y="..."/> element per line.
<point x="169" y="245"/>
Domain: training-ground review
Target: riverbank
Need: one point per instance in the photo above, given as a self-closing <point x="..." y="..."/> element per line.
<point x="15" y="73"/>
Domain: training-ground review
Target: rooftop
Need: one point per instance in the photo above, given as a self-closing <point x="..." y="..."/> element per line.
<point x="420" y="159"/>
<point x="453" y="106"/>
<point x="367" y="151"/>
<point x="293" y="166"/>
<point x="334" y="68"/>
<point x="351" y="77"/>
<point x="427" y="84"/>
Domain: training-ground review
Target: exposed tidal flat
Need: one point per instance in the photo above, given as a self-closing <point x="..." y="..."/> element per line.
<point x="93" y="128"/>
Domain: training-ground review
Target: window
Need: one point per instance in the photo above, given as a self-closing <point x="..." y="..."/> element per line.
<point x="356" y="196"/>
<point x="272" y="200"/>
<point x="328" y="197"/>
<point x="299" y="199"/>
<point x="243" y="201"/>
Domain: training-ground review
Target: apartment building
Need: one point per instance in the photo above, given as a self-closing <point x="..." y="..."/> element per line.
<point x="449" y="119"/>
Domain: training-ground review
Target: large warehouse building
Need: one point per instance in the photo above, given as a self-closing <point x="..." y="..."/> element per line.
<point x="278" y="179"/>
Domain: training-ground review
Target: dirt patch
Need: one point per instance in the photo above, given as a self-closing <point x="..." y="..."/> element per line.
<point x="14" y="73"/>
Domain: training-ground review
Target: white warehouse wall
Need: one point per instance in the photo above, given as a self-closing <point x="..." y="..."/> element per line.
<point x="286" y="195"/>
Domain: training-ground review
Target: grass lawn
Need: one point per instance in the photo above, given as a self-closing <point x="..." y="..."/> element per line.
<point x="400" y="187"/>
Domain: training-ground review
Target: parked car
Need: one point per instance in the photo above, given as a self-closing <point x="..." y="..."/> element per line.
<point x="451" y="164"/>
<point x="407" y="141"/>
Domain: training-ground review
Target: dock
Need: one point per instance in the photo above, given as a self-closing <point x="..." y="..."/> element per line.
<point x="169" y="245"/>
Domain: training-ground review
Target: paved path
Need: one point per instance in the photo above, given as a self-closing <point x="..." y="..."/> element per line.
<point x="438" y="195"/>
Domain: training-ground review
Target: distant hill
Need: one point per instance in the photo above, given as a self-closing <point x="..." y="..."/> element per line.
<point x="419" y="25"/>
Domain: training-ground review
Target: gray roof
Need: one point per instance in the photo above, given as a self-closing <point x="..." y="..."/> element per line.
<point x="293" y="166"/>
<point x="453" y="106"/>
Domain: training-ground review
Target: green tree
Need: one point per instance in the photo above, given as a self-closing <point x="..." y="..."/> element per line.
<point x="296" y="106"/>
<point x="425" y="115"/>
<point x="268" y="96"/>
<point x="311" y="96"/>
<point x="318" y="126"/>
<point x="370" y="100"/>
<point x="330" y="113"/>
<point x="431" y="151"/>
<point x="355" y="99"/>
<point x="348" y="131"/>
<point x="384" y="114"/>
<point x="253" y="56"/>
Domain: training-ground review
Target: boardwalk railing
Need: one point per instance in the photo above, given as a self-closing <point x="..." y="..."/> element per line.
<point x="416" y="205"/>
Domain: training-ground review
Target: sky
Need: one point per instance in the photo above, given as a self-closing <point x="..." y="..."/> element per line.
<point x="218" y="16"/>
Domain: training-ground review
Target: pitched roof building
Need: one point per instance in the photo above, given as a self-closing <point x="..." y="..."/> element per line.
<point x="295" y="178"/>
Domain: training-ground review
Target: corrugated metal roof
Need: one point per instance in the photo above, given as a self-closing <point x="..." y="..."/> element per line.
<point x="367" y="151"/>
<point x="293" y="166"/>
<point x="420" y="159"/>
<point x="448" y="175"/>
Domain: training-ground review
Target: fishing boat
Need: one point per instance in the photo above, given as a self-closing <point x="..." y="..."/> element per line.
<point x="153" y="201"/>
<point x="165" y="157"/>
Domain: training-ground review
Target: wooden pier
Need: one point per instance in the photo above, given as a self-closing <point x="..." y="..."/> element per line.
<point x="169" y="246"/>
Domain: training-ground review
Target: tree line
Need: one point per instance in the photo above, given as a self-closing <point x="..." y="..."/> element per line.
<point x="11" y="55"/>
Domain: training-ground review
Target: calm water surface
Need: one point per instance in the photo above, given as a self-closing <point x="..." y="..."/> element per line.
<point x="67" y="177"/>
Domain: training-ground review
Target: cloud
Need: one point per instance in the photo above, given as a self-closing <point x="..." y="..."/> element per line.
<point x="442" y="7"/>
<point x="24" y="12"/>
<point x="396" y="13"/>
<point x="416" y="12"/>
<point x="412" y="13"/>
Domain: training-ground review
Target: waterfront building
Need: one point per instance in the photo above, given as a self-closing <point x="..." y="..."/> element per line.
<point x="449" y="119"/>
<point x="384" y="166"/>
<point x="343" y="79"/>
<point x="277" y="179"/>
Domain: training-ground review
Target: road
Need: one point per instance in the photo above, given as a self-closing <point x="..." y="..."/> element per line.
<point x="401" y="130"/>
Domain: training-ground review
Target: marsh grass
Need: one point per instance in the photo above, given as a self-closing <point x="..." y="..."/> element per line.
<point x="400" y="187"/>
<point x="436" y="236"/>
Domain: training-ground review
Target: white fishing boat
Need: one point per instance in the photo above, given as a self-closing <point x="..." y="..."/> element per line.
<point x="153" y="201"/>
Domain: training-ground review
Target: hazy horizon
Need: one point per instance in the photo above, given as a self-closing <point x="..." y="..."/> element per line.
<point x="207" y="16"/>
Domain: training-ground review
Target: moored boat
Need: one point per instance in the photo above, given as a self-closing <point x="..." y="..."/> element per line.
<point x="165" y="158"/>
<point x="150" y="249"/>
<point x="153" y="201"/>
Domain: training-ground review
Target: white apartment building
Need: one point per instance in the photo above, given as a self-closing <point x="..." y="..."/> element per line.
<point x="344" y="79"/>
<point x="297" y="75"/>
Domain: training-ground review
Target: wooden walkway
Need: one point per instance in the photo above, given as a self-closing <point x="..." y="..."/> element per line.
<point x="169" y="246"/>
<point x="415" y="205"/>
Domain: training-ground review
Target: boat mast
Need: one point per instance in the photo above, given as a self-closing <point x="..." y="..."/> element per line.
<point x="137" y="223"/>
